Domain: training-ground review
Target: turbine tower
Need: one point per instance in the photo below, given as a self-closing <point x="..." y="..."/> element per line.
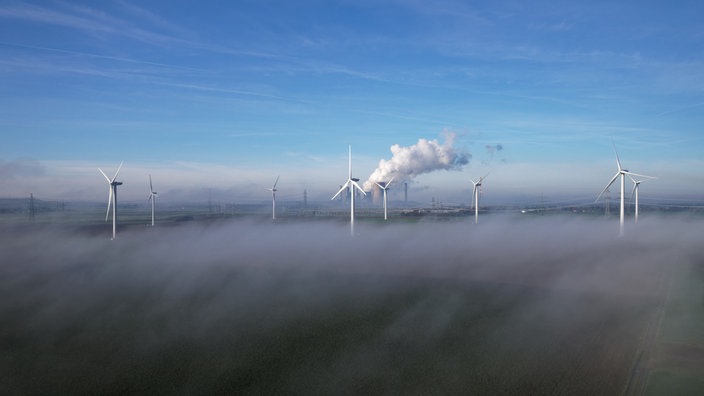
<point x="152" y="197"/>
<point x="475" y="196"/>
<point x="112" y="198"/>
<point x="273" y="199"/>
<point x="384" y="187"/>
<point x="636" y="185"/>
<point x="621" y="172"/>
<point x="31" y="206"/>
<point x="351" y="183"/>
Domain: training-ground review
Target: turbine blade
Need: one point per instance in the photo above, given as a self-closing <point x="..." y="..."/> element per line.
<point x="389" y="182"/>
<point x="106" y="176"/>
<point x="618" y="161"/>
<point x="151" y="188"/>
<point x="380" y="186"/>
<point x="343" y="188"/>
<point x="607" y="186"/>
<point x="277" y="180"/>
<point x="118" y="171"/>
<point x="354" y="183"/>
<point x="636" y="174"/>
<point x="107" y="214"/>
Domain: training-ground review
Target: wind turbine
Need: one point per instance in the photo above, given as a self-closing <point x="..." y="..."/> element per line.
<point x="273" y="199"/>
<point x="636" y="185"/>
<point x="475" y="196"/>
<point x="352" y="184"/>
<point x="384" y="187"/>
<point x="152" y="197"/>
<point x="112" y="198"/>
<point x="621" y="172"/>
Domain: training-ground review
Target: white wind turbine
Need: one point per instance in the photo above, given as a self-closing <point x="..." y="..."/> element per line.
<point x="152" y="197"/>
<point x="112" y="198"/>
<point x="352" y="184"/>
<point x="273" y="199"/>
<point x="475" y="196"/>
<point x="621" y="172"/>
<point x="636" y="185"/>
<point x="384" y="187"/>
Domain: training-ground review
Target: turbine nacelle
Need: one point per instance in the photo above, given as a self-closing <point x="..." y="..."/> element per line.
<point x="273" y="197"/>
<point x="152" y="197"/>
<point x="350" y="183"/>
<point x="476" y="189"/>
<point x="112" y="197"/>
<point x="384" y="185"/>
<point x="152" y="193"/>
<point x="478" y="183"/>
<point x="623" y="173"/>
<point x="273" y="188"/>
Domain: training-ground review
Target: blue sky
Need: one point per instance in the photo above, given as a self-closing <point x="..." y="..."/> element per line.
<point x="227" y="95"/>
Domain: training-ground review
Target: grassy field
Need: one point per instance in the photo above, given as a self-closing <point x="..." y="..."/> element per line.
<point x="677" y="364"/>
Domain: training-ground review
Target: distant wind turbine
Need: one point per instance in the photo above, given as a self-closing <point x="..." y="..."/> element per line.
<point x="112" y="198"/>
<point x="621" y="172"/>
<point x="273" y="199"/>
<point x="384" y="187"/>
<point x="475" y="196"/>
<point x="352" y="184"/>
<point x="636" y="185"/>
<point x="152" y="197"/>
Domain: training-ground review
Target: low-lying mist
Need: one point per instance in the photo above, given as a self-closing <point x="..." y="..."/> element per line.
<point x="510" y="305"/>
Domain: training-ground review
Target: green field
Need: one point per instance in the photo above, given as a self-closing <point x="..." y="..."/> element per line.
<point x="677" y="364"/>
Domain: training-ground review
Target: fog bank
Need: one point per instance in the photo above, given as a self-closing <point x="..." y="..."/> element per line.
<point x="294" y="307"/>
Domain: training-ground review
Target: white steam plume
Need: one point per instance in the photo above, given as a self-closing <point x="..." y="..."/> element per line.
<point x="422" y="157"/>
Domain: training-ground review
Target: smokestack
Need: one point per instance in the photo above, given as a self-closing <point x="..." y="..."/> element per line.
<point x="405" y="192"/>
<point x="423" y="157"/>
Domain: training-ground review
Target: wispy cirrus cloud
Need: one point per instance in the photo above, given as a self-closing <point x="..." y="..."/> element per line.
<point x="87" y="20"/>
<point x="74" y="53"/>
